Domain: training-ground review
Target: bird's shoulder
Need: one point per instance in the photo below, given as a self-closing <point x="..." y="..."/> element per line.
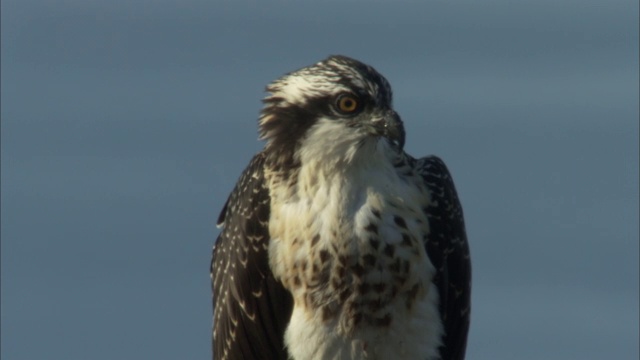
<point x="247" y="298"/>
<point x="448" y="250"/>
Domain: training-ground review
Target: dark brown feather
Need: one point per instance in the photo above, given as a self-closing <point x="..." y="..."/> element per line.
<point x="251" y="308"/>
<point x="448" y="250"/>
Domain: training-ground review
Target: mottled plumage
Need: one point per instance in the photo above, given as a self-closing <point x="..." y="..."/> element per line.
<point x="335" y="243"/>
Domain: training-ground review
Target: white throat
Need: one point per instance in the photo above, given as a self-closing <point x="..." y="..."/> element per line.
<point x="330" y="146"/>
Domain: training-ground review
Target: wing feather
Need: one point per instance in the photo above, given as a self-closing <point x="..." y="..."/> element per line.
<point x="448" y="250"/>
<point x="251" y="308"/>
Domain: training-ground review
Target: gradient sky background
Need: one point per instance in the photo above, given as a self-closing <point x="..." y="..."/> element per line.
<point x="125" y="125"/>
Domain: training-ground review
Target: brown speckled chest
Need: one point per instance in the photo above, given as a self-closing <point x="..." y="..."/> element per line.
<point x="352" y="255"/>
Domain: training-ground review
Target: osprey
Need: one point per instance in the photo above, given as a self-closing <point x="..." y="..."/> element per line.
<point x="335" y="243"/>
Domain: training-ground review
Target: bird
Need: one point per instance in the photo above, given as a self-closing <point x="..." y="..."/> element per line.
<point x="335" y="243"/>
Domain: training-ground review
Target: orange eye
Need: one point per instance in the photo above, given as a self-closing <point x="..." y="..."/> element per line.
<point x="347" y="104"/>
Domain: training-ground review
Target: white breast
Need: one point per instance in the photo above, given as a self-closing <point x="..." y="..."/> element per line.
<point x="361" y="283"/>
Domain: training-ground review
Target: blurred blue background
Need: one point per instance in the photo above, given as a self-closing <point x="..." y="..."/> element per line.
<point x="125" y="124"/>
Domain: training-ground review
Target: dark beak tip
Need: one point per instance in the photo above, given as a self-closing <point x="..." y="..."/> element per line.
<point x="395" y="130"/>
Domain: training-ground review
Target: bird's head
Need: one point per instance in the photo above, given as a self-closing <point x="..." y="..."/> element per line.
<point x="334" y="110"/>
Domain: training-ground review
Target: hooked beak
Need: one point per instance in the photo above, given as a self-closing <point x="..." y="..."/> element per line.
<point x="390" y="126"/>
